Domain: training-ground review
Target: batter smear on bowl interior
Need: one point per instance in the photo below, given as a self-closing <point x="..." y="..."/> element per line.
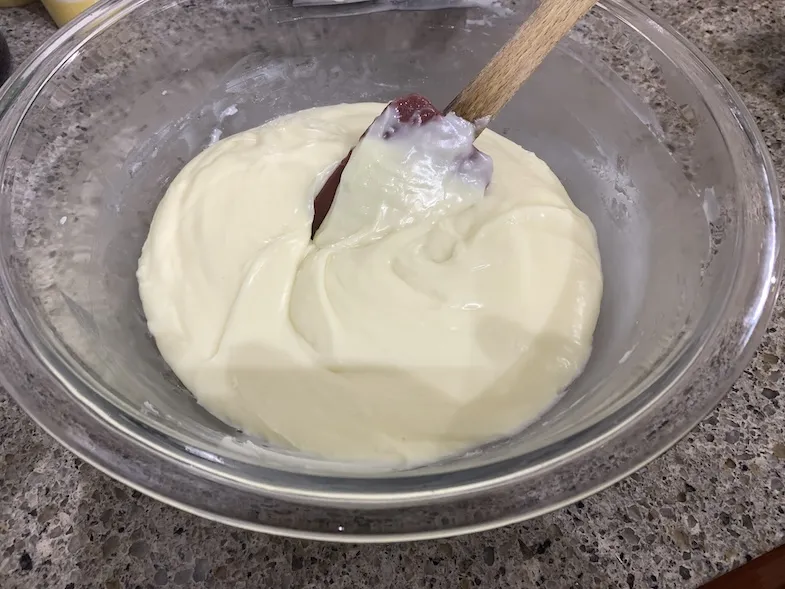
<point x="429" y="314"/>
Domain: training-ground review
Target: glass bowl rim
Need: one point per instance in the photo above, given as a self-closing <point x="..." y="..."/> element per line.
<point x="158" y="446"/>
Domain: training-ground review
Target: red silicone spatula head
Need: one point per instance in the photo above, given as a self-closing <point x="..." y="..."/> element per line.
<point x="413" y="110"/>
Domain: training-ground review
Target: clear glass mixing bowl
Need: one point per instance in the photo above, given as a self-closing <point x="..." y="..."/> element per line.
<point x="648" y="138"/>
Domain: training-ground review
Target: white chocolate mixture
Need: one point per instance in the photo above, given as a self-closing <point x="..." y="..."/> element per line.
<point x="397" y="335"/>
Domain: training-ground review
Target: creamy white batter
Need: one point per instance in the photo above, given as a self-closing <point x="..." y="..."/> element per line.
<point x="428" y="335"/>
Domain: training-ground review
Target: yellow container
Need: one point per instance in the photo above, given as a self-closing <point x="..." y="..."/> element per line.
<point x="64" y="10"/>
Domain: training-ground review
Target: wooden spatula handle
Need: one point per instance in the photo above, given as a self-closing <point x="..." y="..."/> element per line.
<point x="500" y="79"/>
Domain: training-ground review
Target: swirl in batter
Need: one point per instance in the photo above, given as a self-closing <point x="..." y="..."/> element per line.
<point x="405" y="331"/>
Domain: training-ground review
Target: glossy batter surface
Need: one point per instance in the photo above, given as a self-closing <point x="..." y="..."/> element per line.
<point x="401" y="341"/>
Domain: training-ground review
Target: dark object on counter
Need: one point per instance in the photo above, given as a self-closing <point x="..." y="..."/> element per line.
<point x="764" y="572"/>
<point x="5" y="60"/>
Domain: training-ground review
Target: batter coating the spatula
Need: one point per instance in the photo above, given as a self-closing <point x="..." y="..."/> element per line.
<point x="405" y="331"/>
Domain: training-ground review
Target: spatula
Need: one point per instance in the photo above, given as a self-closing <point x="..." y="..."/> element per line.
<point x="487" y="93"/>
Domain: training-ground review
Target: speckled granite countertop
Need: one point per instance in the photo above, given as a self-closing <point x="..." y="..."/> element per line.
<point x="709" y="504"/>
